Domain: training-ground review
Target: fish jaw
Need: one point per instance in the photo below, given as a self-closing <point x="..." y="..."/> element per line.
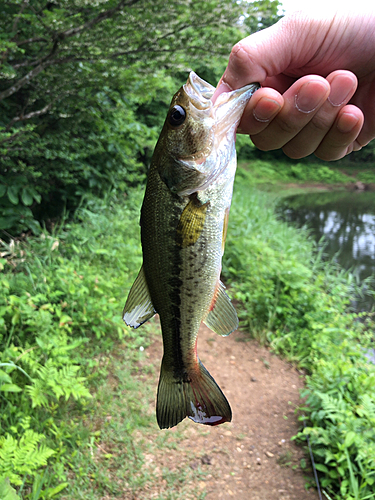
<point x="199" y="91"/>
<point x="226" y="115"/>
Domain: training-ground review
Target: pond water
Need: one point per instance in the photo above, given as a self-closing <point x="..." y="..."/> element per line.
<point x="347" y="222"/>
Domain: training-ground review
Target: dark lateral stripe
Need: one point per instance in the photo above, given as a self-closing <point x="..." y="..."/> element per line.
<point x="175" y="284"/>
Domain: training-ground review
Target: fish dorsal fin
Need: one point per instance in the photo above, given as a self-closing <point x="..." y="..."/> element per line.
<point x="190" y="225"/>
<point x="138" y="308"/>
<point x="222" y="318"/>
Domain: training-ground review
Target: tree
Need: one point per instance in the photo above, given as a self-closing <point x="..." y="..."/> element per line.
<point x="263" y="14"/>
<point x="83" y="86"/>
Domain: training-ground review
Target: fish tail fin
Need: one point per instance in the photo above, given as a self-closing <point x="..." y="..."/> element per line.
<point x="197" y="396"/>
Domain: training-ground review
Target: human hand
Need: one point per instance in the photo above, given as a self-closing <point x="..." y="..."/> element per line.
<point x="318" y="78"/>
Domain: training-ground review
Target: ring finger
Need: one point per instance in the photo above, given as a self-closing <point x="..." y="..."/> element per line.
<point x="343" y="84"/>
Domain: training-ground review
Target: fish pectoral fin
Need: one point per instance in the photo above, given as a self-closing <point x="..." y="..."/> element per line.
<point x="191" y="223"/>
<point x="222" y="317"/>
<point x="198" y="397"/>
<point x="138" y="308"/>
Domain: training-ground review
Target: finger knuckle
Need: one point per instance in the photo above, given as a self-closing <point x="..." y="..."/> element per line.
<point x="295" y="152"/>
<point x="288" y="128"/>
<point x="324" y="156"/>
<point x="239" y="56"/>
<point x="331" y="154"/>
<point x="320" y="124"/>
<point x="261" y="142"/>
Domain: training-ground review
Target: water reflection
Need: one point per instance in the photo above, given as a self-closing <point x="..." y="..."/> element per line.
<point x="347" y="222"/>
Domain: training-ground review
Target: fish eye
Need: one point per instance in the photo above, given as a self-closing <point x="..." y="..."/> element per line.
<point x="177" y="116"/>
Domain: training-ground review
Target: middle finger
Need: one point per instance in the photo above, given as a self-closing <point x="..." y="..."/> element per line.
<point x="301" y="102"/>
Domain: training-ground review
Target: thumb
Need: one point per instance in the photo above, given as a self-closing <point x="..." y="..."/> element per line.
<point x="266" y="54"/>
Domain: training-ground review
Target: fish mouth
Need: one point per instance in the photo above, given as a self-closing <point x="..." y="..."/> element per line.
<point x="229" y="107"/>
<point x="224" y="117"/>
<point x="230" y="104"/>
<point x="199" y="92"/>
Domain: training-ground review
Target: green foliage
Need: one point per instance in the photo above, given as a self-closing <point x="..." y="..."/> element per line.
<point x="262" y="14"/>
<point x="300" y="305"/>
<point x="273" y="167"/>
<point x="59" y="294"/>
<point x="6" y="491"/>
<point x="22" y="455"/>
<point x="320" y="173"/>
<point x="83" y="91"/>
<point x="299" y="172"/>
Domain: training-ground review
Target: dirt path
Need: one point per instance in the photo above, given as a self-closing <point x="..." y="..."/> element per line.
<point x="251" y="458"/>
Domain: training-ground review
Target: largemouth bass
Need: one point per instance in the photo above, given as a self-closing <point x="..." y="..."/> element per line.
<point x="183" y="222"/>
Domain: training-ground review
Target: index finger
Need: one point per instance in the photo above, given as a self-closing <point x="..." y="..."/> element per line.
<point x="248" y="63"/>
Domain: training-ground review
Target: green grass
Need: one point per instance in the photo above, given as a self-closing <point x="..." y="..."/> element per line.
<point x="270" y="170"/>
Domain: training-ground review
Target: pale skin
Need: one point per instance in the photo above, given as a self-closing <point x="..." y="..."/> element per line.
<point x="318" y="84"/>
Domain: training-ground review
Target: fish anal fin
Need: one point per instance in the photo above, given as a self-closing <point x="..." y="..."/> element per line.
<point x="197" y="397"/>
<point x="138" y="308"/>
<point x="190" y="225"/>
<point x="222" y="317"/>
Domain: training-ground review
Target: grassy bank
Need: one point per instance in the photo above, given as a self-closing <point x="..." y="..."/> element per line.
<point x="73" y="408"/>
<point x="299" y="304"/>
<point x="269" y="170"/>
<point x="64" y="351"/>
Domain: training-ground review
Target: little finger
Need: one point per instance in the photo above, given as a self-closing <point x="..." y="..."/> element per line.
<point x="341" y="139"/>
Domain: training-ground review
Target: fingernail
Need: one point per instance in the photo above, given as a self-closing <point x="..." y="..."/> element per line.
<point x="220" y="89"/>
<point x="309" y="96"/>
<point x="346" y="123"/>
<point x="223" y="87"/>
<point x="265" y="109"/>
<point x="339" y="90"/>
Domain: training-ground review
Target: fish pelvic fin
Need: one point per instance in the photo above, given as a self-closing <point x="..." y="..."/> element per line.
<point x="222" y="317"/>
<point x="197" y="397"/>
<point x="138" y="308"/>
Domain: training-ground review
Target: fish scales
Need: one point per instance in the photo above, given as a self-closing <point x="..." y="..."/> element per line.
<point x="183" y="226"/>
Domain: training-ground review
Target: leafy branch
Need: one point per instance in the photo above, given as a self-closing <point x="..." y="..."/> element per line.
<point x="58" y="37"/>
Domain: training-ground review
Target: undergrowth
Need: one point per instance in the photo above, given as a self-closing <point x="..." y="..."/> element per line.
<point x="299" y="304"/>
<point x="61" y="296"/>
<point x="69" y="402"/>
<point x="268" y="169"/>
